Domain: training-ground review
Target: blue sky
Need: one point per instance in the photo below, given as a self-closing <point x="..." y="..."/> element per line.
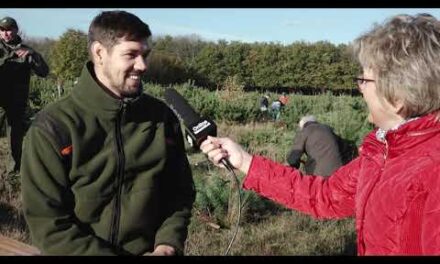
<point x="280" y="25"/>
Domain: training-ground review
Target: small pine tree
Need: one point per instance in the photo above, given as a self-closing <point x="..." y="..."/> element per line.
<point x="69" y="55"/>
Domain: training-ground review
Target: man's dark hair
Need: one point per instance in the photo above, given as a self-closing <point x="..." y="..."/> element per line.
<point x="110" y="26"/>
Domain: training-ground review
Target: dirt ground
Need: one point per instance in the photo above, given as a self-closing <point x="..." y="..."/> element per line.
<point x="12" y="223"/>
<point x="4" y="152"/>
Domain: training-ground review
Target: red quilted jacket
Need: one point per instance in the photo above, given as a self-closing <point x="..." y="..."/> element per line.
<point x="392" y="188"/>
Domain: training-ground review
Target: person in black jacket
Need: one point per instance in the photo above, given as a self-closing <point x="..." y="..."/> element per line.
<point x="320" y="144"/>
<point x="264" y="103"/>
<point x="17" y="62"/>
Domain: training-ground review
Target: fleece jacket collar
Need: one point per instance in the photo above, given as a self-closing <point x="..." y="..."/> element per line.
<point x="90" y="95"/>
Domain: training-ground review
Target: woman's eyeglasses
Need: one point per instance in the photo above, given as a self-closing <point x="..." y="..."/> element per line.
<point x="361" y="81"/>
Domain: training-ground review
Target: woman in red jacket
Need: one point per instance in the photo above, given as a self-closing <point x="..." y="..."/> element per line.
<point x="393" y="187"/>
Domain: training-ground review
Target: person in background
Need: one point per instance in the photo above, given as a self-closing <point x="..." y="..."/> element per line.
<point x="264" y="106"/>
<point x="17" y="62"/>
<point x="104" y="169"/>
<point x="393" y="187"/>
<point x="264" y="103"/>
<point x="275" y="110"/>
<point x="284" y="99"/>
<point x="319" y="143"/>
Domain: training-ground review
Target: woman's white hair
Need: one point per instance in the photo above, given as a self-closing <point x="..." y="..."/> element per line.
<point x="306" y="119"/>
<point x="404" y="55"/>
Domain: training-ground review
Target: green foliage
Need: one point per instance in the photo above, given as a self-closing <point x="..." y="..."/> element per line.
<point x="264" y="61"/>
<point x="185" y="48"/>
<point x="346" y="114"/>
<point x="165" y="68"/>
<point x="175" y="60"/>
<point x="212" y="196"/>
<point x="255" y="207"/>
<point x="318" y="65"/>
<point x="258" y="138"/>
<point x="44" y="91"/>
<point x="69" y="55"/>
<point x="210" y="63"/>
<point x="348" y="118"/>
<point x="213" y="189"/>
<point x="219" y="105"/>
<point x="41" y="92"/>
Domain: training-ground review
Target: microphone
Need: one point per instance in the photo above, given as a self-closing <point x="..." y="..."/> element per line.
<point x="197" y="128"/>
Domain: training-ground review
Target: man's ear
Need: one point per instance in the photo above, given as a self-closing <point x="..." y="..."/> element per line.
<point x="98" y="51"/>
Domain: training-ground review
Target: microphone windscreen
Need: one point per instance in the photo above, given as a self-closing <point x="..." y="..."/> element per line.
<point x="181" y="107"/>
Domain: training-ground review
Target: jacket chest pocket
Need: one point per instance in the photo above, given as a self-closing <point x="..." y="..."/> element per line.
<point x="145" y="148"/>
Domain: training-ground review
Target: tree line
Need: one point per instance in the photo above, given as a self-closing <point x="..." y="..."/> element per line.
<point x="302" y="67"/>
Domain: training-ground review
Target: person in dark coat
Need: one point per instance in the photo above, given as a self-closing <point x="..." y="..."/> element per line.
<point x="320" y="144"/>
<point x="264" y="103"/>
<point x="17" y="62"/>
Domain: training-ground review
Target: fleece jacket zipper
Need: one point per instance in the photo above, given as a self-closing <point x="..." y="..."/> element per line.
<point x="120" y="167"/>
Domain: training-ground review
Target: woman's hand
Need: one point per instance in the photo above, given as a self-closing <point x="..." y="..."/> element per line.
<point x="219" y="148"/>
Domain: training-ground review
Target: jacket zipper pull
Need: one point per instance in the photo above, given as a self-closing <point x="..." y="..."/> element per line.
<point x="123" y="109"/>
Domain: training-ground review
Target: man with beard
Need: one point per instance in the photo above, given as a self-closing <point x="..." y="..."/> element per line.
<point x="105" y="170"/>
<point x="17" y="62"/>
